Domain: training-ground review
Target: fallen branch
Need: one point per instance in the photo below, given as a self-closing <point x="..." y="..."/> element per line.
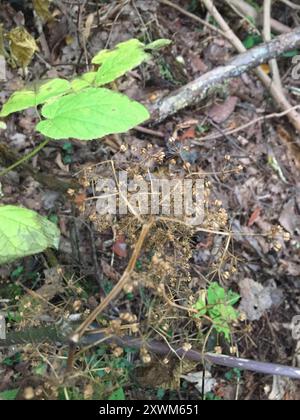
<point x="197" y="90"/>
<point x="276" y="93"/>
<point x="60" y="334"/>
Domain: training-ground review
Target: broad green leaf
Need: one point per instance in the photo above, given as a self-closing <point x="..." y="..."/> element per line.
<point x="85" y="81"/>
<point x="30" y="97"/>
<point x="2" y="125"/>
<point x="118" y="395"/>
<point x="9" y="395"/>
<point x="158" y="44"/>
<point x="24" y="232"/>
<point x="90" y="114"/>
<point x="114" y="63"/>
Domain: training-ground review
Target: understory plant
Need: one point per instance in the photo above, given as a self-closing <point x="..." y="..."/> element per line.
<point x="218" y="304"/>
<point x="83" y="109"/>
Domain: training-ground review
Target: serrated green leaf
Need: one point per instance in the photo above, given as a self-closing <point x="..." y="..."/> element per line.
<point x="90" y="114"/>
<point x="158" y="44"/>
<point x="30" y="97"/>
<point x="24" y="232"/>
<point x="114" y="63"/>
<point x="221" y="309"/>
<point x="215" y="294"/>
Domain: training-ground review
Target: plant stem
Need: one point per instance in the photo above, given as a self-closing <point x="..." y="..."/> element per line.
<point x="25" y="158"/>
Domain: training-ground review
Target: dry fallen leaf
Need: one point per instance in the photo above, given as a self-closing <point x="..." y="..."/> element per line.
<point x="41" y="8"/>
<point x="22" y="46"/>
<point x="221" y="112"/>
<point x="120" y="247"/>
<point x="255" y="215"/>
<point x="288" y="218"/>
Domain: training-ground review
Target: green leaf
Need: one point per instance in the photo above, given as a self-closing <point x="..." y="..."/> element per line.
<point x="9" y="395"/>
<point x="221" y="309"/>
<point x="114" y="63"/>
<point x="252" y="40"/>
<point x="158" y="44"/>
<point x="2" y="125"/>
<point x="90" y="114"/>
<point x="28" y="98"/>
<point x="118" y="395"/>
<point x="290" y="54"/>
<point x="85" y="81"/>
<point x="24" y="232"/>
<point x="201" y="305"/>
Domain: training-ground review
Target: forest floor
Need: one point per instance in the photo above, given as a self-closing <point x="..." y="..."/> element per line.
<point x="252" y="189"/>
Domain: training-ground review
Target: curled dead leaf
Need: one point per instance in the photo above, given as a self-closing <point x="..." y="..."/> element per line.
<point x="22" y="46"/>
<point x="41" y="8"/>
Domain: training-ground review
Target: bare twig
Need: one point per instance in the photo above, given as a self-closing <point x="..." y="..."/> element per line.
<point x="216" y="359"/>
<point x="249" y="11"/>
<point x="117" y="289"/>
<point x="267" y="38"/>
<point x="10" y="157"/>
<point x="291" y="4"/>
<point x="192" y="16"/>
<point x="94" y="337"/>
<point x="245" y="126"/>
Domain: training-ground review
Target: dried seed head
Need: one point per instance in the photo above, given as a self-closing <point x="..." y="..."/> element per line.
<point x="146" y="359"/>
<point x="29" y="393"/>
<point x="277" y="246"/>
<point x="128" y="288"/>
<point x="186" y="347"/>
<point x="218" y="350"/>
<point x="123" y="148"/>
<point x="118" y="351"/>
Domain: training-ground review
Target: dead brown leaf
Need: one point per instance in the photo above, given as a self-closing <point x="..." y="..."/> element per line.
<point x="221" y="112"/>
<point x="22" y="46"/>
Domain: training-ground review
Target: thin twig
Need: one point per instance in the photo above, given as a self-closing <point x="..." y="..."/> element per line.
<point x="291" y="4"/>
<point x="267" y="38"/>
<point x="117" y="289"/>
<point x="248" y="11"/>
<point x="245" y="126"/>
<point x="29" y="156"/>
<point x="192" y="16"/>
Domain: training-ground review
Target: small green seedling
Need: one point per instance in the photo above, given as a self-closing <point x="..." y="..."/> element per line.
<point x="218" y="304"/>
